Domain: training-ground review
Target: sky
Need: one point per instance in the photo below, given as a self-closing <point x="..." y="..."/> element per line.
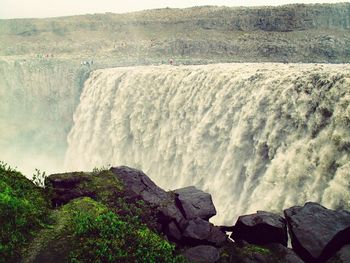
<point x="52" y="8"/>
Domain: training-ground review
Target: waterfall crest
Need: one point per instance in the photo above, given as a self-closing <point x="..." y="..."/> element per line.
<point x="256" y="136"/>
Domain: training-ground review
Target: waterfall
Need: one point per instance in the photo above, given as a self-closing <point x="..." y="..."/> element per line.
<point x="256" y="136"/>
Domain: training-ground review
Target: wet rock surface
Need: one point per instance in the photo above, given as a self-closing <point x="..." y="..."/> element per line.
<point x="202" y="254"/>
<point x="284" y="254"/>
<point x="261" y="228"/>
<point x="316" y="232"/>
<point x="199" y="231"/>
<point x="195" y="203"/>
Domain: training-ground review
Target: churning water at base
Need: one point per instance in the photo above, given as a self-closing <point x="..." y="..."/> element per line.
<point x="256" y="136"/>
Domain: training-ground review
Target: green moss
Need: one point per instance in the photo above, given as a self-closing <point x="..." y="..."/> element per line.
<point x="84" y="205"/>
<point x="107" y="186"/>
<point x="110" y="191"/>
<point x="103" y="183"/>
<point x="236" y="252"/>
<point x="23" y="210"/>
<point x="253" y="249"/>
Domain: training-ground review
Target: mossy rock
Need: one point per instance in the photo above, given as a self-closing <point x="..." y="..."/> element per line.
<point x="248" y="253"/>
<point x="103" y="186"/>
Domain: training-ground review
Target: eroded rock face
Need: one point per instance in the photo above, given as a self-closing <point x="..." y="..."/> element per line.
<point x="182" y="213"/>
<point x="195" y="203"/>
<point x="316" y="232"/>
<point x="202" y="254"/>
<point x="261" y="228"/>
<point x="199" y="231"/>
<point x="138" y="185"/>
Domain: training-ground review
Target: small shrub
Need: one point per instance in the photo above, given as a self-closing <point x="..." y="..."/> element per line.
<point x="39" y="178"/>
<point x="98" y="170"/>
<point x="136" y="213"/>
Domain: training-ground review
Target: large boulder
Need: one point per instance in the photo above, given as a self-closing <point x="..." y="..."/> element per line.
<point x="316" y="232"/>
<point x="199" y="231"/>
<point x="261" y="228"/>
<point x="138" y="185"/>
<point x="195" y="203"/>
<point x="177" y="210"/>
<point x="202" y="254"/>
<point x="173" y="232"/>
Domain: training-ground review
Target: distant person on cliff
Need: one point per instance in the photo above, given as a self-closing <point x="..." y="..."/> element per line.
<point x="171" y="61"/>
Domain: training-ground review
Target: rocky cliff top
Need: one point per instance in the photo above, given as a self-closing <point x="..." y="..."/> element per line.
<point x="291" y="33"/>
<point x="121" y="215"/>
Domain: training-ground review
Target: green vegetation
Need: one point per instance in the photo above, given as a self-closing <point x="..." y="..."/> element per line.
<point x="23" y="210"/>
<point x="253" y="249"/>
<point x="84" y="230"/>
<point x="106" y="238"/>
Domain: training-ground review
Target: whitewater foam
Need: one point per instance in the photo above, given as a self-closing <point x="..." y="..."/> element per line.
<point x="256" y="136"/>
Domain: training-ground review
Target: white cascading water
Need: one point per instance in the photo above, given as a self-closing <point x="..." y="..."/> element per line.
<point x="255" y="136"/>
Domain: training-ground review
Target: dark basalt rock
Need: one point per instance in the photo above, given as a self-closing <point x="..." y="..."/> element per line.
<point x="284" y="254"/>
<point x="202" y="254"/>
<point x="195" y="203"/>
<point x="139" y="186"/>
<point x="261" y="228"/>
<point x="173" y="232"/>
<point x="199" y="231"/>
<point x="217" y="236"/>
<point x="316" y="232"/>
<point x="172" y="216"/>
<point x="169" y="208"/>
<point x="342" y="256"/>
